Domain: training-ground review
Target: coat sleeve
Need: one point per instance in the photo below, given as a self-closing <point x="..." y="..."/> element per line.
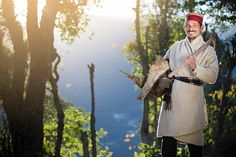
<point x="208" y="71"/>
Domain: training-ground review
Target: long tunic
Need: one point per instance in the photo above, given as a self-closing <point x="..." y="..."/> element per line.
<point x="186" y="118"/>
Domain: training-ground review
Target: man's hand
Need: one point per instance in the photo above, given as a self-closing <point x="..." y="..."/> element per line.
<point x="190" y="60"/>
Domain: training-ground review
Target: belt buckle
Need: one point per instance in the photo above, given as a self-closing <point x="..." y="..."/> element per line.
<point x="191" y="81"/>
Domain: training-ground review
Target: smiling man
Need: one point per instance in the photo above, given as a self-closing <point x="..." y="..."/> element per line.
<point x="184" y="118"/>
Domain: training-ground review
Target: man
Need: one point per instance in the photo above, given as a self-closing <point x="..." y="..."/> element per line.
<point x="185" y="119"/>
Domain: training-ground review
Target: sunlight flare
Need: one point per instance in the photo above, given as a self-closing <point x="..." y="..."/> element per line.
<point x="21" y="9"/>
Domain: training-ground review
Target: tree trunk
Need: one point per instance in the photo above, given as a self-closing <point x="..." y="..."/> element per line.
<point x="60" y="112"/>
<point x="13" y="95"/>
<point x="144" y="63"/>
<point x="2" y="60"/>
<point x="226" y="71"/>
<point x="163" y="28"/>
<point x="84" y="139"/>
<point x="5" y="138"/>
<point x="93" y="119"/>
<point x="23" y="94"/>
<point x="140" y="48"/>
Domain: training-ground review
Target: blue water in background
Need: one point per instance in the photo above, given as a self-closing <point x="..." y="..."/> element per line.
<point x="117" y="109"/>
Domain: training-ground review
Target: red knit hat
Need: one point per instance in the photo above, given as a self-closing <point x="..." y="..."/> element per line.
<point x="195" y="17"/>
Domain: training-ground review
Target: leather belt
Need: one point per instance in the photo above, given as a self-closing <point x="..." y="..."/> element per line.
<point x="190" y="80"/>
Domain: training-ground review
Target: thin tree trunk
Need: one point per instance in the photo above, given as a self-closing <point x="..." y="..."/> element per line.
<point x="226" y="71"/>
<point x="156" y="115"/>
<point x="84" y="139"/>
<point x="163" y="28"/>
<point x="221" y="116"/>
<point x="93" y="119"/>
<point x="144" y="63"/>
<point x="223" y="109"/>
<point x="60" y="112"/>
<point x="140" y="48"/>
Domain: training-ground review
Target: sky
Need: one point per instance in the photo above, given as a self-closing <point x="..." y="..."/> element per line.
<point x="113" y="8"/>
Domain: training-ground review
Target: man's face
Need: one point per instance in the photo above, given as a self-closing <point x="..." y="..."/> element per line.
<point x="192" y="29"/>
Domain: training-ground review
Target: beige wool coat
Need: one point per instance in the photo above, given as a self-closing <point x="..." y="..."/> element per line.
<point x="186" y="118"/>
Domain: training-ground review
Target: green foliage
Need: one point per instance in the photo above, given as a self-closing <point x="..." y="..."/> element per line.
<point x="76" y="121"/>
<point x="71" y="20"/>
<point x="145" y="150"/>
<point x="177" y="32"/>
<point x="182" y="150"/>
<point x="223" y="10"/>
<point x="154" y="109"/>
<point x="190" y="5"/>
<point x="226" y="142"/>
<point x="5" y="136"/>
<point x="130" y="52"/>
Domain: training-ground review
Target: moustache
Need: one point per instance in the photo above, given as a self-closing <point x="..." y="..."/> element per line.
<point x="191" y="31"/>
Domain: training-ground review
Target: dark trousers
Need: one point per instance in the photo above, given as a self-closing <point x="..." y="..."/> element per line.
<point x="169" y="148"/>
